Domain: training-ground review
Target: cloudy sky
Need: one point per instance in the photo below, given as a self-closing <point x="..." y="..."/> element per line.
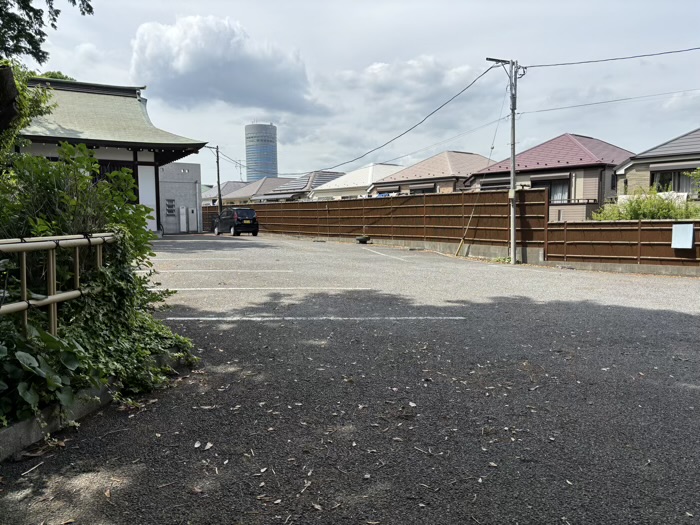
<point x="341" y="77"/>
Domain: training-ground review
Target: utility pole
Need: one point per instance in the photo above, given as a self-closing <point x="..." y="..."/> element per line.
<point x="218" y="181"/>
<point x="513" y="76"/>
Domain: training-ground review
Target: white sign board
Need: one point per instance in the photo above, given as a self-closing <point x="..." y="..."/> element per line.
<point x="683" y="236"/>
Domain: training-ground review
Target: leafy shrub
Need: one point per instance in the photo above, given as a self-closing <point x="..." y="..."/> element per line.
<point x="648" y="204"/>
<point x="109" y="335"/>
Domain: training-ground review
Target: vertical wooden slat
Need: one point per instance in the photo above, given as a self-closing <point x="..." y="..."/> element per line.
<point x="565" y="239"/>
<point x="639" y="242"/>
<point x="546" y="222"/>
<point x="425" y="219"/>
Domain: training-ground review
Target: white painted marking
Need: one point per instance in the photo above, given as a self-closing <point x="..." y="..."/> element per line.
<point x="238" y="271"/>
<point x="272" y="289"/>
<point x="322" y="318"/>
<point x="233" y="259"/>
<point x="384" y="254"/>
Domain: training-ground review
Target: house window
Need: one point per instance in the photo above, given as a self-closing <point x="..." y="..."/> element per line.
<point x="558" y="190"/>
<point x="170" y="207"/>
<point x="613" y="182"/>
<point x="671" y="181"/>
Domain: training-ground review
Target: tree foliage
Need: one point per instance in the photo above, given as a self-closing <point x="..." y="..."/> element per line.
<point x="110" y="335"/>
<point x="22" y="26"/>
<point x="57" y="75"/>
<point x="31" y="103"/>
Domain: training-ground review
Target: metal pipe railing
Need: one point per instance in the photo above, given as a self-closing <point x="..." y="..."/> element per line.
<point x="53" y="297"/>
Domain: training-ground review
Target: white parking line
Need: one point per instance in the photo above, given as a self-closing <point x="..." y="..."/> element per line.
<point x="202" y="259"/>
<point x="235" y="271"/>
<point x="385" y="255"/>
<point x="272" y="289"/>
<point x="322" y="318"/>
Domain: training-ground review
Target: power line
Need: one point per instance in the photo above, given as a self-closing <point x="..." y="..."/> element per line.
<point x="404" y="132"/>
<point x="545" y="110"/>
<point x="445" y="141"/>
<point x="615" y="58"/>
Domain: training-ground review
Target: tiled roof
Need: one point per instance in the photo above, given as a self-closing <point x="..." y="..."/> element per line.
<point x="93" y="112"/>
<point x="360" y="178"/>
<point x="308" y="182"/>
<point x="567" y="150"/>
<point x="257" y="187"/>
<point x="226" y="187"/>
<point x="445" y="164"/>
<point x="687" y="144"/>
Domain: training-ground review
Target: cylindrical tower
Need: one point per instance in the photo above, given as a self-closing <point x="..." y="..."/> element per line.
<point x="260" y="151"/>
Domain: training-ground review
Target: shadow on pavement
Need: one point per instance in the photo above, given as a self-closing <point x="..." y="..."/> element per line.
<point x="508" y="411"/>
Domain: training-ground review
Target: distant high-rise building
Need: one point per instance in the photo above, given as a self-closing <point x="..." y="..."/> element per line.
<point x="260" y="151"/>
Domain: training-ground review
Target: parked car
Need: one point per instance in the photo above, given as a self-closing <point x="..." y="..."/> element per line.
<point x="236" y="221"/>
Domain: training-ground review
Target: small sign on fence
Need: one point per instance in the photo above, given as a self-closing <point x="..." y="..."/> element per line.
<point x="683" y="237"/>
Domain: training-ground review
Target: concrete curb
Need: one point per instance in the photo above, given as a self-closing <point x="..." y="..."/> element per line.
<point x="22" y="434"/>
<point x="19" y="436"/>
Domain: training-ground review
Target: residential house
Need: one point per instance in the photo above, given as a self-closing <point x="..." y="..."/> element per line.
<point x="211" y="196"/>
<point x="665" y="166"/>
<point x="354" y="184"/>
<point x="114" y="123"/>
<point x="299" y="188"/>
<point x="180" y="197"/>
<point x="577" y="170"/>
<point x="445" y="172"/>
<point x="245" y="194"/>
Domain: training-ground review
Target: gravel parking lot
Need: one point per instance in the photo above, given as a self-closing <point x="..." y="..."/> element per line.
<point x="343" y="383"/>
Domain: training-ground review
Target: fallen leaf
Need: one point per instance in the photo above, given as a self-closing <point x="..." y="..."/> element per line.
<point x="263" y="470"/>
<point x="317" y="506"/>
<point x="277" y="501"/>
<point x="208" y="446"/>
<point x="412" y="404"/>
<point x="568" y="482"/>
<point x="108" y="493"/>
<point x="197" y="444"/>
<point x="492" y="464"/>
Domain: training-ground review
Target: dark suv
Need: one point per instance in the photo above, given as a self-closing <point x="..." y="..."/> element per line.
<point x="236" y="221"/>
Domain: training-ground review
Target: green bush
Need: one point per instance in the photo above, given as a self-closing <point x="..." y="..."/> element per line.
<point x="647" y="204"/>
<point x="107" y="336"/>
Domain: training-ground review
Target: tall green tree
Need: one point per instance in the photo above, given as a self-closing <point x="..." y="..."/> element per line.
<point x="22" y="26"/>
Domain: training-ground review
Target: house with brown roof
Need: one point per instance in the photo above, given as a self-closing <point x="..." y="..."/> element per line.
<point x="299" y="188"/>
<point x="577" y="170"/>
<point x="211" y="196"/>
<point x="250" y="190"/>
<point x="445" y="172"/>
<point x="665" y="166"/>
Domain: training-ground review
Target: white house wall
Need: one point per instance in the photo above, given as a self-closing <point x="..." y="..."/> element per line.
<point x="147" y="192"/>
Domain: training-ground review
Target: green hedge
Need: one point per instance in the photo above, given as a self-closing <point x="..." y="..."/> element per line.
<point x="107" y="336"/>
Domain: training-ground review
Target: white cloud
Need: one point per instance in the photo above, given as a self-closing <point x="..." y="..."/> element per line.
<point x="201" y="59"/>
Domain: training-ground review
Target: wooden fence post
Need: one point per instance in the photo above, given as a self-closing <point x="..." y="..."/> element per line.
<point x="565" y="240"/>
<point x="425" y="219"/>
<point x="639" y="242"/>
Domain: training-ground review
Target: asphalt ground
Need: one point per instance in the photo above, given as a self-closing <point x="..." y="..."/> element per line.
<point x="343" y="383"/>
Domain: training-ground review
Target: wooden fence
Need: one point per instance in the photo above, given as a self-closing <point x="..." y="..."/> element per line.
<point x="445" y="217"/>
<point x="433" y="218"/>
<point x="621" y="242"/>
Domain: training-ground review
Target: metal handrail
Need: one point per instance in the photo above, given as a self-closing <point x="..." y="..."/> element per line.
<point x="53" y="297"/>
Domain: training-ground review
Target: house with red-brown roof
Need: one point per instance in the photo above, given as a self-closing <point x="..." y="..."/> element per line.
<point x="445" y="172"/>
<point x="577" y="170"/>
